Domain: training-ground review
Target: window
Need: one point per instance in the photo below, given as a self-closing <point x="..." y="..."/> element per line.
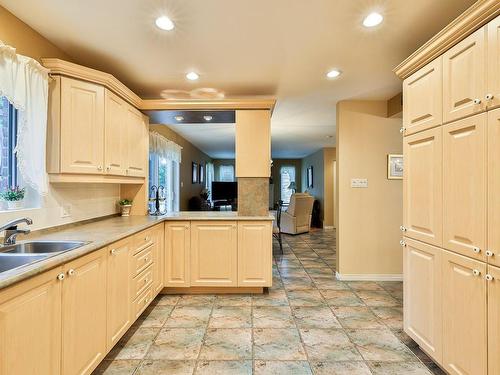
<point x="287" y="175"/>
<point x="8" y="124"/>
<point x="226" y="173"/>
<point x="165" y="172"/>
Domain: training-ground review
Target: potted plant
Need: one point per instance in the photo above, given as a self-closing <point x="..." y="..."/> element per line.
<point x="125" y="205"/>
<point x="14" y="197"/>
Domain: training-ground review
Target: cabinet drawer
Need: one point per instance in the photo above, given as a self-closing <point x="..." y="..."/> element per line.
<point x="142" y="240"/>
<point x="142" y="260"/>
<point x="143" y="301"/>
<point x="141" y="282"/>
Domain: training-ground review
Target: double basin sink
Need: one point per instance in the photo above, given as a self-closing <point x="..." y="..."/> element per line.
<point x="26" y="253"/>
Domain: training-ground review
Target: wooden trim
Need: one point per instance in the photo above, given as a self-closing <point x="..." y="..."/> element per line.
<point x="369" y="277"/>
<point x="472" y="19"/>
<point x="216" y="104"/>
<point x="213" y="290"/>
<point x="92" y="179"/>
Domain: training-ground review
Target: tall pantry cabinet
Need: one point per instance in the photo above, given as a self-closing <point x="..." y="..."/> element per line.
<point x="451" y="208"/>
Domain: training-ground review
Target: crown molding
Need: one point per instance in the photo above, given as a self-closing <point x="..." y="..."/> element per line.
<point x="480" y="13"/>
<point x="68" y="69"/>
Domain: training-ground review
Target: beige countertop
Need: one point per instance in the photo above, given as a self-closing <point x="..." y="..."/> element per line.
<point x="101" y="233"/>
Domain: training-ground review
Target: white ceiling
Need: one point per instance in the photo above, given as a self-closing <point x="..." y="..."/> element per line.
<point x="248" y="47"/>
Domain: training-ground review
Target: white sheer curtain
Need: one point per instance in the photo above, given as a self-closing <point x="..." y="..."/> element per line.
<point x="210" y="177"/>
<point x="161" y="146"/>
<point x="24" y="82"/>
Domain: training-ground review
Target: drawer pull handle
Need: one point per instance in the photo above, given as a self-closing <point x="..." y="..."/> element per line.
<point x="61" y="277"/>
<point x="402" y="228"/>
<point x="489" y="253"/>
<point x="402" y="130"/>
<point x="402" y="243"/>
<point x="489" y="96"/>
<point x="476" y="272"/>
<point x="71" y="272"/>
<point x="489" y="277"/>
<point x="477" y="250"/>
<point x="477" y="101"/>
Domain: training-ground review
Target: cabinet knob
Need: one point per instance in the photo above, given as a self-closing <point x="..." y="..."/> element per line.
<point x="402" y="228"/>
<point x="402" y="243"/>
<point x="60" y="277"/>
<point x="402" y="130"/>
<point x="476" y="272"/>
<point x="146" y="281"/>
<point x="477" y="101"/>
<point x="488" y="277"/>
<point x="476" y="249"/>
<point x="147" y="238"/>
<point x="489" y="253"/>
<point x="113" y="251"/>
<point x="99" y="167"/>
<point x="108" y="168"/>
<point x="146" y="260"/>
<point x="71" y="272"/>
<point x="489" y="96"/>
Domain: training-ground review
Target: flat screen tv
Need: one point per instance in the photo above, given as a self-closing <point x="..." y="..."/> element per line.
<point x="224" y="191"/>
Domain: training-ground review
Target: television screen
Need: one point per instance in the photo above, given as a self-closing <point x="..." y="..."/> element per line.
<point x="224" y="191"/>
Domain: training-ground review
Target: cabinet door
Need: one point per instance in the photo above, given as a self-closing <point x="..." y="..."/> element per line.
<point x="30" y="326"/>
<point x="158" y="256"/>
<point x="494" y="186"/>
<point x="118" y="291"/>
<point x="82" y="127"/>
<point x="137" y="143"/>
<point x="494" y="321"/>
<point x="464" y="184"/>
<point x="177" y="254"/>
<point x="493" y="46"/>
<point x="464" y="315"/>
<point x="214" y="253"/>
<point x="255" y="253"/>
<point x="423" y="186"/>
<point x="422" y="296"/>
<point x="423" y="98"/>
<point x="464" y="77"/>
<point x="84" y="314"/>
<point x="114" y="134"/>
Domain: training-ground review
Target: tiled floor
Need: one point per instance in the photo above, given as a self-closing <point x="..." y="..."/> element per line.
<point x="308" y="323"/>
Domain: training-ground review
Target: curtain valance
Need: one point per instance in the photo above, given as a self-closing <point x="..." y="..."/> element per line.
<point x="163" y="147"/>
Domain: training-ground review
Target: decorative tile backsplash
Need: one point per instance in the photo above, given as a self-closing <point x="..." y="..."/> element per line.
<point x="253" y="196"/>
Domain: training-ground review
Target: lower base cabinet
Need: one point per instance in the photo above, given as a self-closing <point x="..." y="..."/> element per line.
<point x="255" y="253"/>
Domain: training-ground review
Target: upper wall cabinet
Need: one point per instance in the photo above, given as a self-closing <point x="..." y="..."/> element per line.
<point x="94" y="135"/>
<point x="493" y="90"/>
<point x="464" y="77"/>
<point x="423" y="98"/>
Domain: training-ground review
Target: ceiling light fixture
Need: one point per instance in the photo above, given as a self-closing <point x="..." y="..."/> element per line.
<point x="333" y="73"/>
<point x="208" y="118"/>
<point x="192" y="76"/>
<point x="179" y="118"/>
<point x="373" y="19"/>
<point x="164" y="23"/>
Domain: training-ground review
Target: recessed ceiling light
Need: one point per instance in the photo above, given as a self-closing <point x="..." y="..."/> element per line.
<point x="373" y="19"/>
<point x="333" y="73"/>
<point x="192" y="76"/>
<point x="164" y="23"/>
<point x="179" y="118"/>
<point x="208" y="118"/>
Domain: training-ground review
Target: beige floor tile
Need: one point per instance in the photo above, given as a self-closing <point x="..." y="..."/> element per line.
<point x="117" y="367"/>
<point x="341" y="368"/>
<point x="227" y="344"/>
<point x="272" y="317"/>
<point x="157" y="367"/>
<point x="315" y="317"/>
<point x="329" y="345"/>
<point x="282" y="367"/>
<point x="278" y="344"/>
<point x="224" y="368"/>
<point x="231" y="317"/>
<point x="177" y="344"/>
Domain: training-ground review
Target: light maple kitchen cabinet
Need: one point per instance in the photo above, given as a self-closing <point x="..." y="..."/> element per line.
<point x="465" y="186"/>
<point x="464" y="315"/>
<point x="422" y="268"/>
<point x="158" y="234"/>
<point x="115" y="137"/>
<point x="84" y="313"/>
<point x="177" y="254"/>
<point x="30" y="326"/>
<point x="423" y="98"/>
<point x="493" y="285"/>
<point x="214" y="250"/>
<point x="136" y="144"/>
<point x="493" y="251"/>
<point x="81" y="127"/>
<point x="464" y="77"/>
<point x="493" y="83"/>
<point x="254" y="253"/>
<point x="423" y="186"/>
<point x="118" y="291"/>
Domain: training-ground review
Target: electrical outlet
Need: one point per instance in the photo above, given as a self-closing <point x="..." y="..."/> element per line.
<point x="66" y="210"/>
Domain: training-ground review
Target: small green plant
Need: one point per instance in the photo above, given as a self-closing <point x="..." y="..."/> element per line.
<point x="125" y="202"/>
<point x="13" y="194"/>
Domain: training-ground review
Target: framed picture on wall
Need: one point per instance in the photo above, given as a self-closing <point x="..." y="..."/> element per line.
<point x="194" y="170"/>
<point x="201" y="177"/>
<point x="395" y="167"/>
<point x="310" y="176"/>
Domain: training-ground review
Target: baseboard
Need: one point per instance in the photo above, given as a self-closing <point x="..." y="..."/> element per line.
<point x="328" y="227"/>
<point x="369" y="277"/>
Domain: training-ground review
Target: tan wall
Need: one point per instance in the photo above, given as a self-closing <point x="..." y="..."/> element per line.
<point x="189" y="154"/>
<point x="329" y="155"/>
<point x="27" y="41"/>
<point x="368" y="218"/>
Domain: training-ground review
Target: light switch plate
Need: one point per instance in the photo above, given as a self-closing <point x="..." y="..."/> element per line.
<point x="359" y="183"/>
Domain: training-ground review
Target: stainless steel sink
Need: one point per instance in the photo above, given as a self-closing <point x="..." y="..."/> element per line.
<point x="41" y="247"/>
<point x="12" y="261"/>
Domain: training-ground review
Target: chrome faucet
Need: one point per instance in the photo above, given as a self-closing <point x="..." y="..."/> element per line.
<point x="11" y="230"/>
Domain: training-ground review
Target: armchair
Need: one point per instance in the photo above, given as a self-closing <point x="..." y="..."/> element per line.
<point x="297" y="218"/>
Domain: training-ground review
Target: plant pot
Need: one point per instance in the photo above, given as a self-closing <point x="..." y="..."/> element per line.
<point x="15" y="205"/>
<point x="126" y="209"/>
